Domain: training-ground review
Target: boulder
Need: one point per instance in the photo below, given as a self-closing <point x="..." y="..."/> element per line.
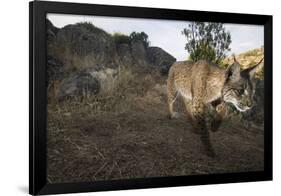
<point x="106" y="78"/>
<point x="160" y="59"/>
<point x="82" y="84"/>
<point x="90" y="81"/>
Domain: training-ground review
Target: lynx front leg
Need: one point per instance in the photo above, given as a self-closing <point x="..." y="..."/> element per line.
<point x="188" y="107"/>
<point x="198" y="116"/>
<point x="199" y="108"/>
<point x="221" y="111"/>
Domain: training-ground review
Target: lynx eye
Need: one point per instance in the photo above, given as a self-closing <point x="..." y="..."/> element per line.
<point x="239" y="91"/>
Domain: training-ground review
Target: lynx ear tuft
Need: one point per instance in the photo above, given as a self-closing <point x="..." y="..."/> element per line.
<point x="234" y="59"/>
<point x="252" y="70"/>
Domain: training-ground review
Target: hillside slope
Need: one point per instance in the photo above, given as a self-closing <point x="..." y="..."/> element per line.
<point x="247" y="59"/>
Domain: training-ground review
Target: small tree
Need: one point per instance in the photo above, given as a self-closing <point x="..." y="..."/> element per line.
<point x="142" y="36"/>
<point x="207" y="40"/>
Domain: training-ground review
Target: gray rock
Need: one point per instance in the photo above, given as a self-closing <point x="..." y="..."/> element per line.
<point x="124" y="52"/>
<point x="84" y="59"/>
<point x="51" y="31"/>
<point x="83" y="45"/>
<point x="139" y="53"/>
<point x="83" y="84"/>
<point x="54" y="69"/>
<point x="106" y="78"/>
<point x="160" y="58"/>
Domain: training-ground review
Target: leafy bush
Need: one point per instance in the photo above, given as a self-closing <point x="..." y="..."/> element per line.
<point x="120" y="38"/>
<point x="142" y="36"/>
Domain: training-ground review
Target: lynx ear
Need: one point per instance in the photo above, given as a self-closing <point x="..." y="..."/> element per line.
<point x="233" y="72"/>
<point x="252" y="70"/>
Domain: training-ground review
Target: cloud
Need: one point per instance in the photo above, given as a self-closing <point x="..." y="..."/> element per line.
<point x="245" y="37"/>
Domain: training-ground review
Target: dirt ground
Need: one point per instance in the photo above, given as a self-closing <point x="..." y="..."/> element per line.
<point x="134" y="139"/>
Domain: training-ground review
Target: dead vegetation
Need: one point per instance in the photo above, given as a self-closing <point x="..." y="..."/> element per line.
<point x="124" y="133"/>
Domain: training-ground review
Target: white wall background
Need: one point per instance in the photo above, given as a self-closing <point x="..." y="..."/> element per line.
<point x="14" y="96"/>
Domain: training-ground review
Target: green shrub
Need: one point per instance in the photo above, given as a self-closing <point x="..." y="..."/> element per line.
<point x="120" y="38"/>
<point x="142" y="36"/>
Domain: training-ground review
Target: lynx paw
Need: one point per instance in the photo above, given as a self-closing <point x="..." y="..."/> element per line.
<point x="174" y="115"/>
<point x="215" y="125"/>
<point x="222" y="110"/>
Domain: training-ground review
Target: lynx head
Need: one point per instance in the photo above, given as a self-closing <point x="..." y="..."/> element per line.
<point x="239" y="87"/>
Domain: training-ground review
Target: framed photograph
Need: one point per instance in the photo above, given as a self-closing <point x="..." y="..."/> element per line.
<point x="130" y="97"/>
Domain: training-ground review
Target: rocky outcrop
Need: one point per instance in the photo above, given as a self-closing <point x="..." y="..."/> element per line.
<point x="82" y="45"/>
<point x="55" y="69"/>
<point x="139" y="53"/>
<point x="84" y="59"/>
<point x="160" y="58"/>
<point x="51" y="31"/>
<point x="124" y="52"/>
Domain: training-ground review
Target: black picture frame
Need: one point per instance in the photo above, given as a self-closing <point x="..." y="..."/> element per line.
<point x="38" y="93"/>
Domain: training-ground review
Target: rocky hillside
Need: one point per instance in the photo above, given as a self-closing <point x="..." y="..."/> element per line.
<point x="82" y="55"/>
<point x="247" y="58"/>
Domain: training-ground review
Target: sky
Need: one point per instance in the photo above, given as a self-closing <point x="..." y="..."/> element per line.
<point x="165" y="34"/>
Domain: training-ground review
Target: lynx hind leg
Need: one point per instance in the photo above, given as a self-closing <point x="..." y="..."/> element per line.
<point x="172" y="96"/>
